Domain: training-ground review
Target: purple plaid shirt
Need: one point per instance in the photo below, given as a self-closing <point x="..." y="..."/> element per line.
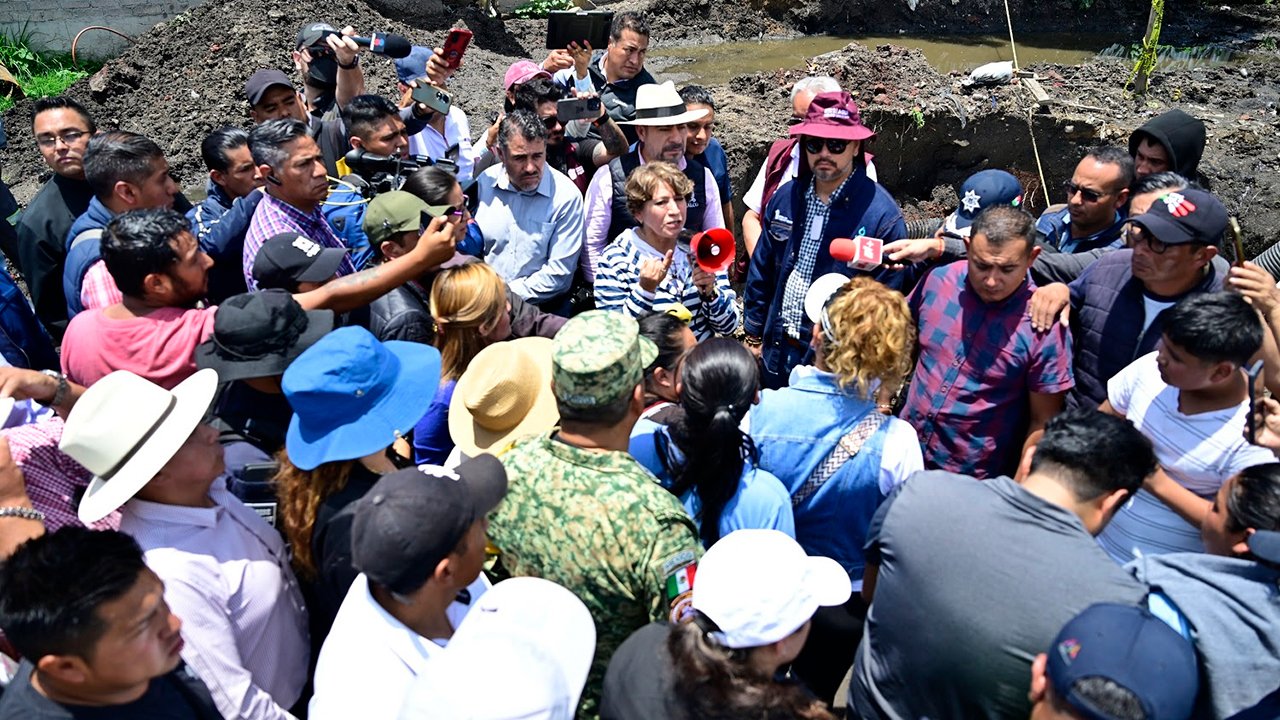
<point x="274" y="216"/>
<point x="978" y="364"/>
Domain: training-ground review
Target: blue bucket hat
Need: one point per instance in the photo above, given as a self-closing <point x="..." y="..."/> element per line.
<point x="352" y="395"/>
<point x="414" y="65"/>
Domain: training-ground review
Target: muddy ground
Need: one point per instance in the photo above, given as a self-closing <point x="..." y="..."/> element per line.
<point x="185" y="77"/>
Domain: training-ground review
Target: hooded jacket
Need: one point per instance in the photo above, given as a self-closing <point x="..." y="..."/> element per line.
<point x="1181" y="135"/>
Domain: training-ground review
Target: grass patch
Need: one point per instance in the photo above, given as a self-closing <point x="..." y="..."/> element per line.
<point x="39" y="74"/>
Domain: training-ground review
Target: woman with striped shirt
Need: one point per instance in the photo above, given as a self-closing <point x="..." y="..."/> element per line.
<point x="643" y="268"/>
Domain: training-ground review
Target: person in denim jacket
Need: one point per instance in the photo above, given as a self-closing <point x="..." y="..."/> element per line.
<point x="862" y="340"/>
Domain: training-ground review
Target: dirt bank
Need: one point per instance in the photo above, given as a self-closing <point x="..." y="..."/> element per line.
<point x="184" y="78"/>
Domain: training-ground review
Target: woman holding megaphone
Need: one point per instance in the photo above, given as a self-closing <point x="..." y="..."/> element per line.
<point x="647" y="266"/>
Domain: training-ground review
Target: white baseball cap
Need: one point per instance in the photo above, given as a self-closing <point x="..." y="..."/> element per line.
<point x="759" y="586"/>
<point x="533" y="634"/>
<point x="820" y="292"/>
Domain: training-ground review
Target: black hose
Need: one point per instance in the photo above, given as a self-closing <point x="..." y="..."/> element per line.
<point x="1269" y="260"/>
<point x="923" y="228"/>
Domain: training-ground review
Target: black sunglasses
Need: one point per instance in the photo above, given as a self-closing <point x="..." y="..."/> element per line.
<point x="435" y="211"/>
<point x="551" y="121"/>
<point x="835" y="147"/>
<point x="1092" y="196"/>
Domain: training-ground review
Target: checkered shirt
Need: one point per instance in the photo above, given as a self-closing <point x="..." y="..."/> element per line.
<point x="274" y="216"/>
<point x="802" y="274"/>
<point x="978" y="363"/>
<point x="54" y="481"/>
<point x="99" y="288"/>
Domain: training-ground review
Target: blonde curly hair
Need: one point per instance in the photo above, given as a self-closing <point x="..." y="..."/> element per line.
<point x="874" y="336"/>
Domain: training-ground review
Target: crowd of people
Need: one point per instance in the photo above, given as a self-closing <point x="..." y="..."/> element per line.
<point x="398" y="422"/>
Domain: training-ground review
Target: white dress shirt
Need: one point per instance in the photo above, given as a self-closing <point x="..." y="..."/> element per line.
<point x="227" y="576"/>
<point x="370" y="659"/>
<point x="454" y="144"/>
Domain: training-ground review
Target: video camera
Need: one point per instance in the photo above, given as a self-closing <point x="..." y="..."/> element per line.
<point x="385" y="173"/>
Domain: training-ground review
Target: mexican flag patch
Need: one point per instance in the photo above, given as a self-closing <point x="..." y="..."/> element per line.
<point x="681" y="581"/>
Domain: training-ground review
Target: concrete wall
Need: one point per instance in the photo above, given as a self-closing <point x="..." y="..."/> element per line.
<point x="53" y="23"/>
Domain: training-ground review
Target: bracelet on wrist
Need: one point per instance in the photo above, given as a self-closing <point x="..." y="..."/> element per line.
<point x="753" y="340"/>
<point x="25" y="513"/>
<point x="354" y="64"/>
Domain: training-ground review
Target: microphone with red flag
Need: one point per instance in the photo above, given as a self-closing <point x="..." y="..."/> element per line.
<point x="861" y="253"/>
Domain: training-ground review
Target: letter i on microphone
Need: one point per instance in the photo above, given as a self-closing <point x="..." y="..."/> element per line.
<point x="861" y="252"/>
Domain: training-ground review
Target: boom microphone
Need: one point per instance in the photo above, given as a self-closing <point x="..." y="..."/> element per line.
<point x="389" y="44"/>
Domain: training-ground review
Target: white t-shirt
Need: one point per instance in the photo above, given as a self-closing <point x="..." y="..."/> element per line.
<point x="370" y="659"/>
<point x="1199" y="451"/>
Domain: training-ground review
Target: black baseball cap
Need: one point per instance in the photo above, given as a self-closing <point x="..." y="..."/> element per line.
<point x="311" y="33"/>
<point x="258" y="83"/>
<point x="259" y="334"/>
<point x="413" y="518"/>
<point x="289" y="258"/>
<point x="1185" y="216"/>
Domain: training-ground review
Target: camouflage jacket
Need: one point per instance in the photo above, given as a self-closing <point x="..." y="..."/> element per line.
<point x="599" y="524"/>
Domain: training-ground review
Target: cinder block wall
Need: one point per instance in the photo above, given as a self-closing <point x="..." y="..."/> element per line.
<point x="53" y="23"/>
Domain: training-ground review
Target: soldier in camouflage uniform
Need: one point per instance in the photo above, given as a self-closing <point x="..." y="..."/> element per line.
<point x="581" y="512"/>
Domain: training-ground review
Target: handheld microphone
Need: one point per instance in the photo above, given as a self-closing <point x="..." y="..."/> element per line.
<point x="862" y="252"/>
<point x="389" y="44"/>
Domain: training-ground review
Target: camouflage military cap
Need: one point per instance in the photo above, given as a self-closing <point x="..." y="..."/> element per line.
<point x="391" y="213"/>
<point x="599" y="356"/>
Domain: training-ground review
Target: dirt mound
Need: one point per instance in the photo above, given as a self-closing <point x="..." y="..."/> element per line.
<point x="184" y="78"/>
<point x="933" y="130"/>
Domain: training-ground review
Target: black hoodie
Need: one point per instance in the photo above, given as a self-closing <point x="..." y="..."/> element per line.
<point x="1182" y="137"/>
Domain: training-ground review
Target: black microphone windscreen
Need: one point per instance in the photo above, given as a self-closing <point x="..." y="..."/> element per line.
<point x="396" y="46"/>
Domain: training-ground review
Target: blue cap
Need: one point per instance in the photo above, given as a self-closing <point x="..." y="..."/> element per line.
<point x="352" y="395"/>
<point x="982" y="190"/>
<point x="1134" y="649"/>
<point x="414" y="65"/>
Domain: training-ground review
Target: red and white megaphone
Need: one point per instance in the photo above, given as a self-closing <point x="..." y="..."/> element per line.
<point x="713" y="250"/>
<point x="862" y="252"/>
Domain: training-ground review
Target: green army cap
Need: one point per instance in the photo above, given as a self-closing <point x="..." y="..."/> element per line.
<point x="393" y="212"/>
<point x="598" y="357"/>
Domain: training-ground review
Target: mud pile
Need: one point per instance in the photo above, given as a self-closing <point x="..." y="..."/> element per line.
<point x="185" y="77"/>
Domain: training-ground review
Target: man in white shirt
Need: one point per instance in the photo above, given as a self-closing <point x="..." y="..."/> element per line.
<point x="1190" y="399"/>
<point x="226" y="572"/>
<point x="418" y="540"/>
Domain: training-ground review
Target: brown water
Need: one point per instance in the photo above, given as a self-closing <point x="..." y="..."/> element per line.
<point x="715" y="64"/>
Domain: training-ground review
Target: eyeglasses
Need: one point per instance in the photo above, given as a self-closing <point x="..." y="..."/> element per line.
<point x="550" y="122"/>
<point x="793" y="120"/>
<point x="835" y="147"/>
<point x="69" y="137"/>
<point x="1091" y="196"/>
<point x="1135" y="234"/>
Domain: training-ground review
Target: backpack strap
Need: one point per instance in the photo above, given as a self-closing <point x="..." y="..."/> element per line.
<point x="844" y="450"/>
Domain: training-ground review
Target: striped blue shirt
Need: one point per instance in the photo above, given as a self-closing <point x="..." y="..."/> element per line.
<point x="617" y="287"/>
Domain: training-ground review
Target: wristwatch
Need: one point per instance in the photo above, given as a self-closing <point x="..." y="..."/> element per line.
<point x="59" y="395"/>
<point x="354" y="64"/>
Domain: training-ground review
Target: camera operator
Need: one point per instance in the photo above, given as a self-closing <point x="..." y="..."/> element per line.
<point x="375" y="127"/>
<point x="569" y="147"/>
<point x="329" y="65"/>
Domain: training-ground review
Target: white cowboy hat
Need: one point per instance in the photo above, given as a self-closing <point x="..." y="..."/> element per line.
<point x="661" y="106"/>
<point x="125" y="428"/>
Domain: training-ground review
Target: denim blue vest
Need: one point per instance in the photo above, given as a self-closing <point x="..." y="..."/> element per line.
<point x="795" y="428"/>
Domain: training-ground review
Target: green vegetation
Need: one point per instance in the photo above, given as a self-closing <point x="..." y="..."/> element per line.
<point x="38" y="74"/>
<point x="540" y="8"/>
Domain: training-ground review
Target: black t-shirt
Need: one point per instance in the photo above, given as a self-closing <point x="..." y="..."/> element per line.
<point x="178" y="695"/>
<point x="638" y="684"/>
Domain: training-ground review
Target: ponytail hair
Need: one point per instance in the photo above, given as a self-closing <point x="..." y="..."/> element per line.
<point x="719" y="381"/>
<point x="712" y="682"/>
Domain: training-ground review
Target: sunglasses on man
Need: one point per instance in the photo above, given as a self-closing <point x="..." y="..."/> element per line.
<point x="1090" y="196"/>
<point x="813" y="146"/>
